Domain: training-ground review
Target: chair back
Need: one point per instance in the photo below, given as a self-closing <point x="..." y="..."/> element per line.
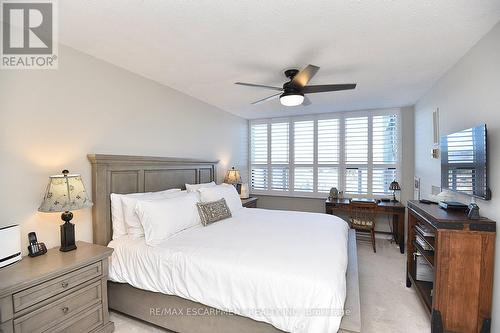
<point x="362" y="214"/>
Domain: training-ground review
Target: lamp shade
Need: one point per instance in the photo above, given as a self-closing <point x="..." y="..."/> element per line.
<point x="394" y="186"/>
<point x="232" y="176"/>
<point x="65" y="192"/>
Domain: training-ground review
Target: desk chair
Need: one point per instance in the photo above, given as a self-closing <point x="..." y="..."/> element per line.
<point x="362" y="218"/>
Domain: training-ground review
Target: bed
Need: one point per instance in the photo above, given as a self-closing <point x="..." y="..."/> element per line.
<point x="259" y="271"/>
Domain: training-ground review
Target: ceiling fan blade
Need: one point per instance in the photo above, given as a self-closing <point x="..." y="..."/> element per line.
<point x="258" y="86"/>
<point x="306" y="101"/>
<point x="267" y="99"/>
<point x="304" y="76"/>
<point x="327" y="87"/>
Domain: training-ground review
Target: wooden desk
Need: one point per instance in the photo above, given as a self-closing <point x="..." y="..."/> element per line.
<point x="394" y="209"/>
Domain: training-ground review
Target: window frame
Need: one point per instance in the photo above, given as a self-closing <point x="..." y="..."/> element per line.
<point x="341" y="166"/>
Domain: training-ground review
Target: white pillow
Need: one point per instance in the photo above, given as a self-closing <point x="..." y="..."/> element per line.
<point x="117" y="218"/>
<point x="134" y="227"/>
<point x="196" y="187"/>
<point x="162" y="219"/>
<point x="117" y="221"/>
<point x="218" y="192"/>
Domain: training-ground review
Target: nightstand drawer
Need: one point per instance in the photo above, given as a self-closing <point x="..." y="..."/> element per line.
<point x="83" y="322"/>
<point x="38" y="293"/>
<point x="59" y="311"/>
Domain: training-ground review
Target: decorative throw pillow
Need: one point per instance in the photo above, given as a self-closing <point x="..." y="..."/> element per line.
<point x="213" y="211"/>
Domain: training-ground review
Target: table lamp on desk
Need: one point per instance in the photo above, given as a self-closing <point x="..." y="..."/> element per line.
<point x="394" y="186"/>
<point x="65" y="193"/>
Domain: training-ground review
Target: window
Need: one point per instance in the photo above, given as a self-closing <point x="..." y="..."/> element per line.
<point x="306" y="156"/>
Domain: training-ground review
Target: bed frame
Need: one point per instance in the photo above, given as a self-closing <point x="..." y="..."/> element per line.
<point x="132" y="174"/>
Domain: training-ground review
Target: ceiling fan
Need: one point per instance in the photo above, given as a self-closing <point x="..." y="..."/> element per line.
<point x="292" y="93"/>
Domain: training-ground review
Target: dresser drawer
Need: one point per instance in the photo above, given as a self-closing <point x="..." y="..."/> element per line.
<point x="40" y="292"/>
<point x="69" y="306"/>
<point x="82" y="323"/>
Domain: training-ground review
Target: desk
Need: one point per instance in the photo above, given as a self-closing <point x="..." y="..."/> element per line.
<point x="394" y="209"/>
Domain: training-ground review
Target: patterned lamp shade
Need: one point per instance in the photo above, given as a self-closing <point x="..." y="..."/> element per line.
<point x="394" y="186"/>
<point x="65" y="193"/>
<point x="232" y="176"/>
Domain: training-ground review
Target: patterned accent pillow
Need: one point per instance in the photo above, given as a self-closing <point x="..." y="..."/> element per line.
<point x="213" y="211"/>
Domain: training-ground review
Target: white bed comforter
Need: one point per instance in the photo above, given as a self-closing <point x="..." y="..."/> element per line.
<point x="281" y="267"/>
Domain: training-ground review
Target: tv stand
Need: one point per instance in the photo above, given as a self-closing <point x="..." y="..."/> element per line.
<point x="450" y="265"/>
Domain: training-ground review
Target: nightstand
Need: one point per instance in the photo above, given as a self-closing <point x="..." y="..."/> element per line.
<point x="250" y="202"/>
<point x="57" y="292"/>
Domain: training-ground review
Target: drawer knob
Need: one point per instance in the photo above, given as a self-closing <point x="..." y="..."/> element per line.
<point x="64" y="284"/>
<point x="65" y="310"/>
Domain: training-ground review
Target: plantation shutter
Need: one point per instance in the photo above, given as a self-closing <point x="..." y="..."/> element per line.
<point x="279" y="156"/>
<point x="356" y="155"/>
<point x="304" y="156"/>
<point x="259" y="158"/>
<point x="328" y="154"/>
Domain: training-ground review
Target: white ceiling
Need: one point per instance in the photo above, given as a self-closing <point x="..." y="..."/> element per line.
<point x="394" y="50"/>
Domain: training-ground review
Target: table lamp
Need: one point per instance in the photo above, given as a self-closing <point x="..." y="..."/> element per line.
<point x="233" y="177"/>
<point x="65" y="193"/>
<point x="394" y="186"/>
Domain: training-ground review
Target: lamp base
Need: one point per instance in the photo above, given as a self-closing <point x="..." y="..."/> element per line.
<point x="67" y="233"/>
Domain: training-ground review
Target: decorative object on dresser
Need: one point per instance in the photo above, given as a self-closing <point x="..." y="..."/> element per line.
<point x="251" y="202"/>
<point x="65" y="193"/>
<point x="362" y="218"/>
<point x="245" y="191"/>
<point x="334" y="193"/>
<point x="394" y="186"/>
<point x="10" y="251"/>
<point x="57" y="292"/>
<point x="233" y="177"/>
<point x="394" y="209"/>
<point x="35" y="248"/>
<point x="450" y="264"/>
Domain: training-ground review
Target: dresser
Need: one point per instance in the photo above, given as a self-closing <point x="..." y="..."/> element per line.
<point x="57" y="292"/>
<point x="450" y="265"/>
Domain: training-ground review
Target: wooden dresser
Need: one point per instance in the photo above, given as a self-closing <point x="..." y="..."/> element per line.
<point x="450" y="263"/>
<point x="57" y="292"/>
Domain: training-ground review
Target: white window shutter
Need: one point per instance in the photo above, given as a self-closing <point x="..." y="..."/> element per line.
<point x="258" y="143"/>
<point x="304" y="142"/>
<point x="259" y="178"/>
<point x="356" y="140"/>
<point x="279" y="143"/>
<point x="303" y="179"/>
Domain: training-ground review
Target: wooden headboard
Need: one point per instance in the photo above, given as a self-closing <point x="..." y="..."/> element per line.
<point x="132" y="174"/>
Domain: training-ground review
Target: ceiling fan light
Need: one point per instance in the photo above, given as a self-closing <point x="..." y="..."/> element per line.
<point x="292" y="99"/>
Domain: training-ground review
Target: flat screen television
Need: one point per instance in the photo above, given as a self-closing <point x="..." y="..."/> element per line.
<point x="464" y="160"/>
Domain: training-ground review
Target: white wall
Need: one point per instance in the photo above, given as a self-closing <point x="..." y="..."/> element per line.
<point x="469" y="94"/>
<point x="51" y="120"/>
<point x="406" y="181"/>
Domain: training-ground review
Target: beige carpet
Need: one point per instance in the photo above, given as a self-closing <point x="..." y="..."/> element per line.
<point x="387" y="306"/>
